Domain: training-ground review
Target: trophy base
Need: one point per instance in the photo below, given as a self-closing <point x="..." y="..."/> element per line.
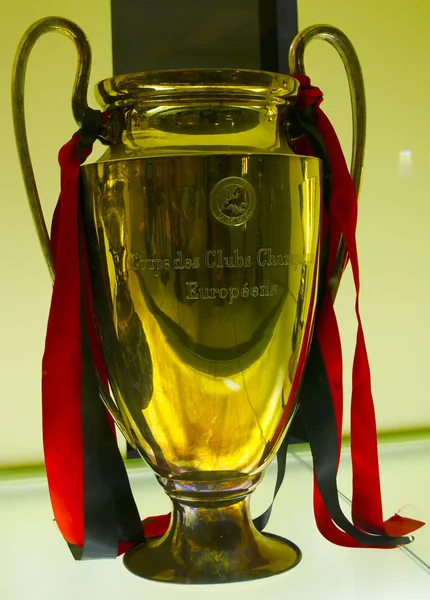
<point x="271" y="555"/>
<point x="212" y="543"/>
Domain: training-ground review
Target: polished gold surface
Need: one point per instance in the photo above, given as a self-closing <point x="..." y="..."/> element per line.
<point x="198" y="323"/>
<point x="227" y="548"/>
<point x="350" y="60"/>
<point x="218" y="110"/>
<point x="202" y="229"/>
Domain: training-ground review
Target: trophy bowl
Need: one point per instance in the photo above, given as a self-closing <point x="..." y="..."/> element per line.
<point x="202" y="230"/>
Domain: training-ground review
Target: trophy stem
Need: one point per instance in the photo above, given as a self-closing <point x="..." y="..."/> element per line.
<point x="212" y="542"/>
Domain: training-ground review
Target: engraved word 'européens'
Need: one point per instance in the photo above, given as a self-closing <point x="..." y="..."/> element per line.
<point x="265" y="257"/>
<point x="194" y="292"/>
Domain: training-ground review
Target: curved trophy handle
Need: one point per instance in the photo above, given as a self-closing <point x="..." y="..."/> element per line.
<point x="349" y="57"/>
<point x="79" y="107"/>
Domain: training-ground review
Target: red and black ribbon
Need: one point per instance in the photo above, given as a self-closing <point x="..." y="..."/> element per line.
<point x="321" y="393"/>
<point x="90" y="492"/>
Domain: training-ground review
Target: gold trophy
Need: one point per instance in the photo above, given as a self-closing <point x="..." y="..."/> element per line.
<point x="202" y="227"/>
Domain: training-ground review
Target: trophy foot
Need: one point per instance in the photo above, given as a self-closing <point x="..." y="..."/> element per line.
<point x="212" y="543"/>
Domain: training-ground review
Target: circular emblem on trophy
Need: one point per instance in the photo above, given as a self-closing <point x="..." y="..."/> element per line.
<point x="232" y="201"/>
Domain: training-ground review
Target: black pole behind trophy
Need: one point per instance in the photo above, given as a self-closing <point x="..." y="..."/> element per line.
<point x="242" y="34"/>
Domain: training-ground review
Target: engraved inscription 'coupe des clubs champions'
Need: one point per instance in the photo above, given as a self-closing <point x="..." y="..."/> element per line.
<point x="195" y="266"/>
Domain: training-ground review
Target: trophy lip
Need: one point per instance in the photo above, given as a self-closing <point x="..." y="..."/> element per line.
<point x="170" y="151"/>
<point x="151" y="86"/>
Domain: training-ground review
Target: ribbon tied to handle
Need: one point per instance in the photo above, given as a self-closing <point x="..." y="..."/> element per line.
<point x="321" y="393"/>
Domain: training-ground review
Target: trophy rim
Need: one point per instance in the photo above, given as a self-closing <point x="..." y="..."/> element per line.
<point x="151" y="86"/>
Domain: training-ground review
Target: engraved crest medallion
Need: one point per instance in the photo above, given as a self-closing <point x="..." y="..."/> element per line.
<point x="232" y="201"/>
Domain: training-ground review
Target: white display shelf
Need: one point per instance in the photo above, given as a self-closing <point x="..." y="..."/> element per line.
<point x="36" y="563"/>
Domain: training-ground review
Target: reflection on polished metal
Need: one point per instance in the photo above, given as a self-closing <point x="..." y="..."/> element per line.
<point x="214" y="544"/>
<point x="203" y="238"/>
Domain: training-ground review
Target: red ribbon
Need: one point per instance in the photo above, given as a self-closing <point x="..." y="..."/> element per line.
<point x="62" y="362"/>
<point x="61" y="366"/>
<point x="341" y="222"/>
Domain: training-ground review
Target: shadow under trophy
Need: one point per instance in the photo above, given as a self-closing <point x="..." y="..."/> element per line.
<point x="202" y="228"/>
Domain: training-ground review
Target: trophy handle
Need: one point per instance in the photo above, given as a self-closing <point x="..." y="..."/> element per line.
<point x="349" y="57"/>
<point x="79" y="108"/>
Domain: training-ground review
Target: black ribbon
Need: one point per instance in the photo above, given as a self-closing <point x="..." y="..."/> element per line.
<point x="110" y="512"/>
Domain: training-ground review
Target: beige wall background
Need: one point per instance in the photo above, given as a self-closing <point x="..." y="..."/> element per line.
<point x="26" y="287"/>
<point x="393" y="44"/>
<point x="394" y="47"/>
